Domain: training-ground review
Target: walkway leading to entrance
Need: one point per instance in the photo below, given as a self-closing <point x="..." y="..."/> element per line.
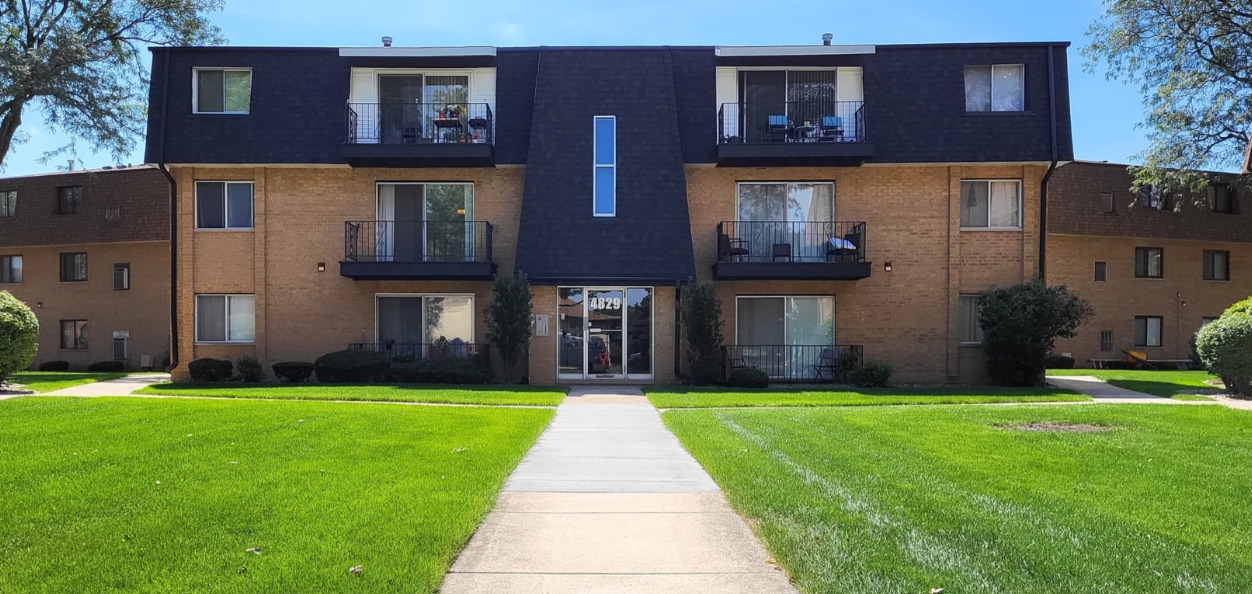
<point x="609" y="501"/>
<point x="1102" y="391"/>
<point x="122" y="386"/>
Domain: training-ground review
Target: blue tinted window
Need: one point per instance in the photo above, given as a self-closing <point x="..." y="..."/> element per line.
<point x="605" y="200"/>
<point x="604" y="191"/>
<point x="606" y="141"/>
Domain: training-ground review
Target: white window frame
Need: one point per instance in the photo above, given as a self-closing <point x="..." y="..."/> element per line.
<point x="11" y="258"/>
<point x="424" y="73"/>
<point x="125" y="267"/>
<point x="8" y="203"/>
<point x="226" y="312"/>
<point x="225" y="204"/>
<point x="961" y="331"/>
<point x="833" y="330"/>
<point x="596" y="167"/>
<point x="989" y="181"/>
<point x="473" y="309"/>
<point x="195" y="89"/>
<point x="991" y="104"/>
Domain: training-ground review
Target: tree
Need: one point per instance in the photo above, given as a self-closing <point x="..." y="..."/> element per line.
<point x="1225" y="346"/>
<point x="508" y="319"/>
<point x="702" y="331"/>
<point x="82" y="64"/>
<point x="1190" y="59"/>
<point x="1020" y="325"/>
<point x="19" y="336"/>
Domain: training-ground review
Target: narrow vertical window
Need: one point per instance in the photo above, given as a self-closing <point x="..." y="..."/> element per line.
<point x="8" y="204"/>
<point x="10" y="269"/>
<point x="1106" y="201"/>
<point x="121" y="276"/>
<point x="1101" y="271"/>
<point x="604" y="183"/>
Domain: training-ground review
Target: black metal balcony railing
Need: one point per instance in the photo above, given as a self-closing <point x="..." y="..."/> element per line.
<point x="419" y="123"/>
<point x="791" y="121"/>
<point x="797" y="363"/>
<point x="790" y="241"/>
<point x="417" y="241"/>
<point x="402" y="352"/>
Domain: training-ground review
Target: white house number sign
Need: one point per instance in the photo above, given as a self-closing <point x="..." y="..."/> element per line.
<point x="604" y="303"/>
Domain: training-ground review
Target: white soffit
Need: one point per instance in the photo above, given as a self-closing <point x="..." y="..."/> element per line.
<point x="737" y="51"/>
<point x="416" y="52"/>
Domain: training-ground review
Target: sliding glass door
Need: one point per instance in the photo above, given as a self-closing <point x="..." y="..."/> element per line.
<point x="784" y="336"/>
<point x="409" y="326"/>
<point x="797" y="214"/>
<point x="419" y="222"/>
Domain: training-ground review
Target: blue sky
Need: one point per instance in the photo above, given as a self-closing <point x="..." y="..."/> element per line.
<point x="1104" y="113"/>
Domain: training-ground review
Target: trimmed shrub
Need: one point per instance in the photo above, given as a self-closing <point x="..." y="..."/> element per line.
<point x="450" y="371"/>
<point x="702" y="333"/>
<point x="250" y="370"/>
<point x="749" y="377"/>
<point x="350" y="366"/>
<point x="1225" y="346"/>
<point x="106" y="367"/>
<point x="19" y="336"/>
<point x="1058" y="362"/>
<point x="210" y="370"/>
<point x="292" y="371"/>
<point x="1020" y="325"/>
<point x="873" y="374"/>
<point x="54" y="366"/>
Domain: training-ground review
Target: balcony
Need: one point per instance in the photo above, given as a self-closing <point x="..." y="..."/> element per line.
<point x="417" y="250"/>
<point x="792" y="134"/>
<point x="419" y="135"/>
<point x="797" y="364"/>
<point x="398" y="352"/>
<point x="791" y="250"/>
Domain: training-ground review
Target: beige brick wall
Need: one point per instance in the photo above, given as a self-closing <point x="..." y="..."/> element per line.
<point x="299" y="221"/>
<point x="143" y="310"/>
<point x="1182" y="298"/>
<point x="906" y="317"/>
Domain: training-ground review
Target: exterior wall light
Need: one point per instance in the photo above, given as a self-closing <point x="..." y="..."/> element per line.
<point x="887" y="266"/>
<point x="321" y="267"/>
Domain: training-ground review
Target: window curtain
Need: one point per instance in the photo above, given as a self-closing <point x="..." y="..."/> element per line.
<point x="1007" y="87"/>
<point x="1005" y="206"/>
<point x="794" y="326"/>
<point x="242" y="318"/>
<point x="384" y="232"/>
<point x="977" y="88"/>
<point x="211" y="318"/>
<point x="449" y="318"/>
<point x="811" y="96"/>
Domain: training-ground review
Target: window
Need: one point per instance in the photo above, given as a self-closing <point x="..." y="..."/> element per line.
<point x="1216" y="265"/>
<point x="223" y="205"/>
<point x="1147" y="331"/>
<point x="409" y="320"/>
<point x="968" y="329"/>
<point x="68" y="199"/>
<point x="1221" y="198"/>
<point x="423" y="221"/>
<point x="74" y="334"/>
<point x="112" y="215"/>
<point x="604" y="184"/>
<point x="121" y="347"/>
<point x="1106" y="201"/>
<point x="225" y="318"/>
<point x="1000" y="87"/>
<point x="1106" y="341"/>
<point x="1153" y="197"/>
<point x="8" y="204"/>
<point x="1204" y="321"/>
<point x="121" y="276"/>
<point x="74" y="267"/>
<point x="223" y="90"/>
<point x="797" y="214"/>
<point x="1101" y="271"/>
<point x="10" y="269"/>
<point x="991" y="204"/>
<point x="1149" y="262"/>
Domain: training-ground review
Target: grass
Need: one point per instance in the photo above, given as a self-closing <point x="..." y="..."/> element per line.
<point x="107" y="494"/>
<point x="690" y="397"/>
<point x="49" y="381"/>
<point x="516" y="395"/>
<point x="904" y="499"/>
<point x="1166" y="384"/>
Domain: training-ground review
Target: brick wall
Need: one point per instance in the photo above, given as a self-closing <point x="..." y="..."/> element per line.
<point x="141" y="195"/>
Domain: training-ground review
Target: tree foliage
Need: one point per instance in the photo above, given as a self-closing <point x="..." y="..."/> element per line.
<point x="1020" y="326"/>
<point x="508" y="319"/>
<point x="702" y="331"/>
<point x="1225" y="347"/>
<point x="19" y="336"/>
<point x="1191" y="59"/>
<point x="82" y="64"/>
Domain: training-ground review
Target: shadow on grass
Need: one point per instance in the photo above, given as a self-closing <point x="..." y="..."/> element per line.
<point x="903" y="391"/>
<point x="311" y="386"/>
<point x="1162" y="389"/>
<point x="62" y="376"/>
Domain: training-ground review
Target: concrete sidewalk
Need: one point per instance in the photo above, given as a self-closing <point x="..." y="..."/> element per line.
<point x="123" y="386"/>
<point x="609" y="501"/>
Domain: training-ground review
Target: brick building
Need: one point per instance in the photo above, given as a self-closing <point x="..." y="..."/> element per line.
<point x="88" y="251"/>
<point x="847" y="201"/>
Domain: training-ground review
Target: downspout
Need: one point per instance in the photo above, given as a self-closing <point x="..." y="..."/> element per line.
<point x="1043" y="186"/>
<point x="678" y="339"/>
<point x="165" y="99"/>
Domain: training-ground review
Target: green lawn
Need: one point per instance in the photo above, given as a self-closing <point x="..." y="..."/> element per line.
<point x="1166" y="384"/>
<point x="521" y="395"/>
<point x="48" y="381"/>
<point x="694" y="397"/>
<point x="905" y="499"/>
<point x="107" y="494"/>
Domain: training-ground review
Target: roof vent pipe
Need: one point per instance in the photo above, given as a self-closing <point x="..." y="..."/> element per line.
<point x="386" y="41"/>
<point x="826" y="37"/>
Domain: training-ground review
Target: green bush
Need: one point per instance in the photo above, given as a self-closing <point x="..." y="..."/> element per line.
<point x="250" y="370"/>
<point x="350" y="366"/>
<point x="210" y="370"/>
<point x="440" y="371"/>
<point x="19" y="336"/>
<point x="292" y="371"/>
<point x="1020" y="325"/>
<point x="873" y="374"/>
<point x="702" y="332"/>
<point x="106" y="367"/>
<point x="54" y="366"/>
<point x="1058" y="362"/>
<point x="1225" y="346"/>
<point x="749" y="377"/>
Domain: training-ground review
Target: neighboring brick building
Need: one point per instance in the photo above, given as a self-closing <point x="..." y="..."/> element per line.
<point x="847" y="200"/>
<point x="1154" y="266"/>
<point x="88" y="251"/>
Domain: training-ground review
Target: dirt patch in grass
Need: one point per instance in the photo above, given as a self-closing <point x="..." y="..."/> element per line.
<point x="1059" y="427"/>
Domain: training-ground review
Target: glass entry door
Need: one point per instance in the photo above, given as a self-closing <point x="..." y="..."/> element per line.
<point x="605" y="333"/>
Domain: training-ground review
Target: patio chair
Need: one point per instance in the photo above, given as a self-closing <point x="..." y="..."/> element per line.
<point x="778" y="126"/>
<point x="847" y="246"/>
<point x="832" y="129"/>
<point x="729" y="249"/>
<point x="827" y="365"/>
<point x="781" y="250"/>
